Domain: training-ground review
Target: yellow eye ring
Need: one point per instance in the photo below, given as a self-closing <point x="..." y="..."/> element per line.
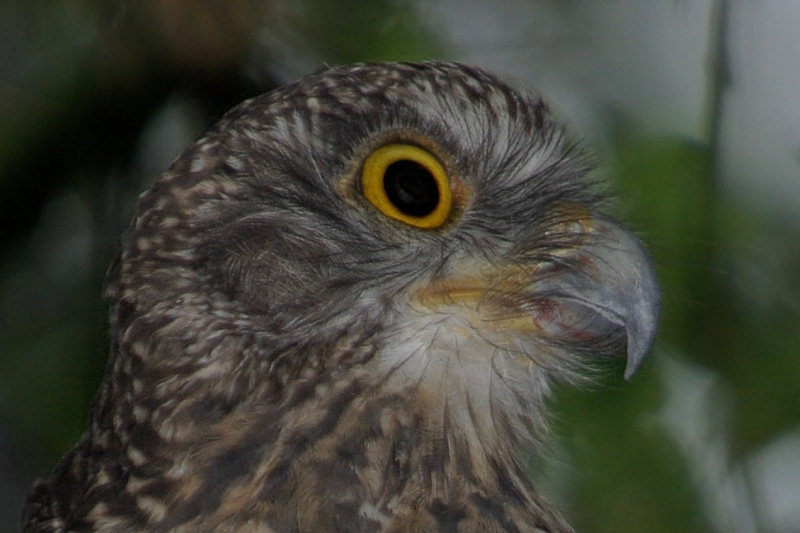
<point x="408" y="184"/>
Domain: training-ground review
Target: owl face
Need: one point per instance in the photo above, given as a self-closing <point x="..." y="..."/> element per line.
<point x="427" y="203"/>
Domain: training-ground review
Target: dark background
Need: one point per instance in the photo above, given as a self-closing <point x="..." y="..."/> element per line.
<point x="691" y="105"/>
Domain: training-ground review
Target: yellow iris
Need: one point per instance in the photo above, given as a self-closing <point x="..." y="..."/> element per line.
<point x="409" y="184"/>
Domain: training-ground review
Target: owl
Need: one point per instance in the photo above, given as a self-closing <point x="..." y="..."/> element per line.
<point x="344" y="309"/>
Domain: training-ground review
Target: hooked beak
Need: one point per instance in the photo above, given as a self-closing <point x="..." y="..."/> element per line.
<point x="594" y="292"/>
<point x="608" y="282"/>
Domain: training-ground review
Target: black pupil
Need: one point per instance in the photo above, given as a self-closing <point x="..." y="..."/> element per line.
<point x="411" y="188"/>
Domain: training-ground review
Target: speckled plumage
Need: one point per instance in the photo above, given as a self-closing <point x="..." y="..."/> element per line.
<point x="284" y="357"/>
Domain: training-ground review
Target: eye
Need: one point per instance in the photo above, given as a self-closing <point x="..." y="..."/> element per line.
<point x="408" y="184"/>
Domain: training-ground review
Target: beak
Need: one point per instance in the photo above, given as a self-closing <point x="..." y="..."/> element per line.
<point x="589" y="296"/>
<point x="606" y="284"/>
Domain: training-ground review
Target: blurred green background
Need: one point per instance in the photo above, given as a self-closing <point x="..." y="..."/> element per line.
<point x="691" y="105"/>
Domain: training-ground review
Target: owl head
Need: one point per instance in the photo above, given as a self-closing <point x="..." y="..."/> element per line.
<point x="356" y="291"/>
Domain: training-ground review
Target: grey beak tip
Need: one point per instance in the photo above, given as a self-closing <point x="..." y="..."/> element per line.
<point x="642" y="332"/>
